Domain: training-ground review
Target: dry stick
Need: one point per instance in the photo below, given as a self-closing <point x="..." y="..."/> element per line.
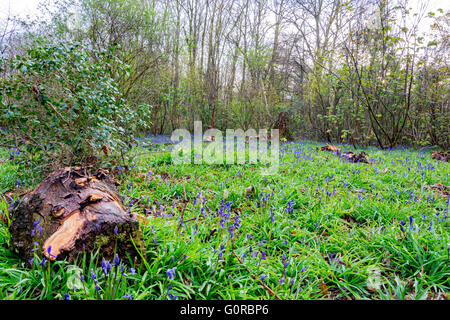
<point x="254" y="277"/>
<point x="182" y="215"/>
<point x="184" y="189"/>
<point x="185" y="204"/>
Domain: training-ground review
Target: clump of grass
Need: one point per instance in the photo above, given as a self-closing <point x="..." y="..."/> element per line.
<point x="322" y="228"/>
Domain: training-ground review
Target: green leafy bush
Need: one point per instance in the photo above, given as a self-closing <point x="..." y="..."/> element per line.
<point x="60" y="100"/>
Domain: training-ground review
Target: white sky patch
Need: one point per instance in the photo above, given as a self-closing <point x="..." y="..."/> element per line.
<point x="20" y="8"/>
<point x="30" y="8"/>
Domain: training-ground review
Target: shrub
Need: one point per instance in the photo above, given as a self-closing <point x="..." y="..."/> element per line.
<point x="60" y="100"/>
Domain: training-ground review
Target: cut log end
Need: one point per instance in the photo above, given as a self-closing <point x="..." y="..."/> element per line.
<point x="71" y="212"/>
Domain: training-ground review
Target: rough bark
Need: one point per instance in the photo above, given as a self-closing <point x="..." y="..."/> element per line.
<point x="356" y="158"/>
<point x="72" y="211"/>
<point x="441" y="156"/>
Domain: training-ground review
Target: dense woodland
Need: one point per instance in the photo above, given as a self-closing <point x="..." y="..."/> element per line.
<point x="359" y="72"/>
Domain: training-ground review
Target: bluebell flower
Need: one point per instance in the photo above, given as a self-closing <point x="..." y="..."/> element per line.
<point x="36" y="246"/>
<point x="171" y="273"/>
<point x="93" y="277"/>
<point x="128" y="296"/>
<point x="401" y="226"/>
<point x="105" y="266"/>
<point x="49" y="251"/>
<point x="122" y="270"/>
<point x="172" y="297"/>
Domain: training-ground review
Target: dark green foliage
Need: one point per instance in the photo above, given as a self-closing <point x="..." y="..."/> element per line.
<point x="59" y="99"/>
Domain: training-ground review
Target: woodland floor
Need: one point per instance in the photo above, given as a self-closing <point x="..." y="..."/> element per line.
<point x="322" y="228"/>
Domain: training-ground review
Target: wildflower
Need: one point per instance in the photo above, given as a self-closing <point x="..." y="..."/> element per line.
<point x="115" y="230"/>
<point x="281" y="281"/>
<point x="35" y="223"/>
<point x="49" y="250"/>
<point x="172" y="297"/>
<point x="263" y="277"/>
<point x="263" y="255"/>
<point x="132" y="270"/>
<point x="401" y="226"/>
<point x="289" y="207"/>
<point x="122" y="271"/>
<point x="43" y="261"/>
<point x="116" y="260"/>
<point x="36" y="245"/>
<point x="127" y="296"/>
<point x="67" y="296"/>
<point x="171" y="273"/>
<point x="105" y="266"/>
<point x="93" y="275"/>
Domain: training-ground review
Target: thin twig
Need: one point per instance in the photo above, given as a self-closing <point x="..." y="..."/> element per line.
<point x="254" y="277"/>
<point x="182" y="215"/>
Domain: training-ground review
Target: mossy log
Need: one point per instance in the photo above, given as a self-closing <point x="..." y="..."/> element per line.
<point x="71" y="212"/>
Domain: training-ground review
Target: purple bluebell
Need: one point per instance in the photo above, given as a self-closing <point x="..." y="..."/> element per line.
<point x="49" y="251"/>
<point x="171" y="273"/>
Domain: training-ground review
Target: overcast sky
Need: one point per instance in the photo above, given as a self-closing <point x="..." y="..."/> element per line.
<point x="23" y="8"/>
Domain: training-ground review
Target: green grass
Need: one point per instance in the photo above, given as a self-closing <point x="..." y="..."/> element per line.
<point x="327" y="228"/>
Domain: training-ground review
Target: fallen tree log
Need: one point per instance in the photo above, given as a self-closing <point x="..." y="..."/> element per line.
<point x="356" y="158"/>
<point x="70" y="212"/>
<point x="441" y="156"/>
<point x="330" y="148"/>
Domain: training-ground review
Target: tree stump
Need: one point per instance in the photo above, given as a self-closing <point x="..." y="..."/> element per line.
<point x="72" y="211"/>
